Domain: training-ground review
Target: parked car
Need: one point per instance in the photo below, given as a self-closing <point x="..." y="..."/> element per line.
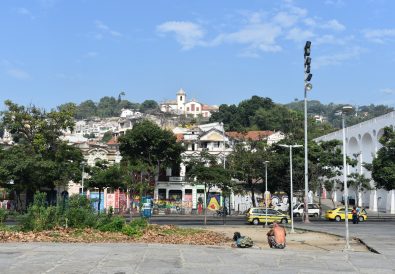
<point x="256" y="215"/>
<point x="338" y="214"/>
<point x="313" y="209"/>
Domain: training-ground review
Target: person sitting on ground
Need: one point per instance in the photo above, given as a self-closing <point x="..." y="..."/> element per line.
<point x="276" y="236"/>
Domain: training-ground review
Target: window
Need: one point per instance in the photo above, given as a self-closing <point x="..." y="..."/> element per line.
<point x="175" y="195"/>
<point x="192" y="107"/>
<point x="197" y="109"/>
<point x="180" y="98"/>
<point x="161" y="194"/>
<point x="187" y="108"/>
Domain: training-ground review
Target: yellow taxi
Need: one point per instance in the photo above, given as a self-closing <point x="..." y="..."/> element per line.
<point x="256" y="215"/>
<point x="339" y="214"/>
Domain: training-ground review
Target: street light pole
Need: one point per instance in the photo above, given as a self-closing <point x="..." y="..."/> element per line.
<point x="291" y="182"/>
<point x="265" y="196"/>
<point x="345" y="110"/>
<point x="307" y="87"/>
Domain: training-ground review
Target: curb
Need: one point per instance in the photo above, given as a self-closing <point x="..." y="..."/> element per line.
<point x="371" y="249"/>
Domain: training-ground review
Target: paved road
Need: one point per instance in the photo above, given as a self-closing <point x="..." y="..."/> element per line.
<point x="194" y="220"/>
<point x="143" y="258"/>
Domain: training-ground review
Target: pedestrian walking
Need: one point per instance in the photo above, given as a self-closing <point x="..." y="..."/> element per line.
<point x="354" y="215"/>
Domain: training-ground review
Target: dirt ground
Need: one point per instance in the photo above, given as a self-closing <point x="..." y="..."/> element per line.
<point x="300" y="240"/>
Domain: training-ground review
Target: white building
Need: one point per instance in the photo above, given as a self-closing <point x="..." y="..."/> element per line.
<point x="181" y="106"/>
<point x="363" y="140"/>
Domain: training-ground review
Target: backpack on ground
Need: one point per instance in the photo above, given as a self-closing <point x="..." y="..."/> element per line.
<point x="242" y="241"/>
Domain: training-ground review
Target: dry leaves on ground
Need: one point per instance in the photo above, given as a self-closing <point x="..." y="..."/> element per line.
<point x="167" y="234"/>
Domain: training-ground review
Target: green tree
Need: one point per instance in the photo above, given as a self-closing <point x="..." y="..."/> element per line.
<point x="147" y="148"/>
<point x="39" y="159"/>
<point x="103" y="175"/>
<point x="205" y="170"/>
<point x="149" y="106"/>
<point x="246" y="163"/>
<point x="107" y="107"/>
<point x="106" y="136"/>
<point x="383" y="166"/>
<point x="86" y="109"/>
<point x="359" y="183"/>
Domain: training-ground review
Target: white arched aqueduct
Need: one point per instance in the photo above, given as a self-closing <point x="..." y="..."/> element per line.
<point x="362" y="142"/>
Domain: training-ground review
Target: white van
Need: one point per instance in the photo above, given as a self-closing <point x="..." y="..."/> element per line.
<point x="313" y="210"/>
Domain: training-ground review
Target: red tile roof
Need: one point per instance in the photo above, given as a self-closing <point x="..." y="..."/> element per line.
<point x="255" y="135"/>
<point x="207" y="107"/>
<point x="113" y="141"/>
<point x="179" y="137"/>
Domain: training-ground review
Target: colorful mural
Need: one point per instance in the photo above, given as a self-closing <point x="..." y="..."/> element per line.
<point x="213" y="201"/>
<point x="94" y="197"/>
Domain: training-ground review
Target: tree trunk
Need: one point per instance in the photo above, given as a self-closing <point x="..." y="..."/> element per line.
<point x="205" y="206"/>
<point x="252" y="195"/>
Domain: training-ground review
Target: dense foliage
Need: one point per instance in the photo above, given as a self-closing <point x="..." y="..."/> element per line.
<point x="109" y="106"/>
<point x="146" y="149"/>
<point x="76" y="212"/>
<point x="206" y="170"/>
<point x="359" y="114"/>
<point x="39" y="159"/>
<point x="383" y="166"/>
<point x="259" y="113"/>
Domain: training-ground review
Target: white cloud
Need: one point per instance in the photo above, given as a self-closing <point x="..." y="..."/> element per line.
<point x="18" y="74"/>
<point x="388" y="91"/>
<point x="257" y="36"/>
<point x="188" y="34"/>
<point x="333" y="25"/>
<point x="48" y="3"/>
<point x="310" y="22"/>
<point x="338" y="3"/>
<point x="379" y="35"/>
<point x="91" y="54"/>
<point x="105" y="30"/>
<point x="299" y="35"/>
<point x="333" y="40"/>
<point x="338" y="58"/>
<point x="285" y="19"/>
<point x="25" y="12"/>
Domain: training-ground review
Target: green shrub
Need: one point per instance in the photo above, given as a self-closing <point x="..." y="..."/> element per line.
<point x="111" y="223"/>
<point x="39" y="217"/>
<point x="132" y="231"/>
<point x="139" y="222"/>
<point x="79" y="212"/>
<point x="3" y="215"/>
<point x="135" y="228"/>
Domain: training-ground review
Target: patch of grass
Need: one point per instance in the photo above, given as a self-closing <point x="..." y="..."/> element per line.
<point x="78" y="232"/>
<point x="182" y="231"/>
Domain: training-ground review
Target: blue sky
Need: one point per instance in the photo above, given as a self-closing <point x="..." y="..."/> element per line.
<point x="218" y="51"/>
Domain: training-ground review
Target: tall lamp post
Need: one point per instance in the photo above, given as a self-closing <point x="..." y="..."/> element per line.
<point x="266" y="162"/>
<point x="344" y="111"/>
<point x="291" y="181"/>
<point x="307" y="87"/>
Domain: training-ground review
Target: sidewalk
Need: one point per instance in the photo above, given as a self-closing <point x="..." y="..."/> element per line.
<point x="154" y="258"/>
<point x="379" y="238"/>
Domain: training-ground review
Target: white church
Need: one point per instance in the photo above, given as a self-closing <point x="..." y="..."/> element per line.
<point x="181" y="106"/>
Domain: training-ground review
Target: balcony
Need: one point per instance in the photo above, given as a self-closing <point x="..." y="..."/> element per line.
<point x="163" y="178"/>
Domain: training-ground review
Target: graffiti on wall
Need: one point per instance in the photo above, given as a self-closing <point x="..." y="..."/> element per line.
<point x="213" y="201"/>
